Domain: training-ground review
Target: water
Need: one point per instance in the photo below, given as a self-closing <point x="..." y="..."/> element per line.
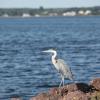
<point x="26" y="71"/>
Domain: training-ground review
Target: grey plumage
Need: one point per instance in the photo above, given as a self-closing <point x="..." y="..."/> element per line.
<point x="64" y="69"/>
<point x="61" y="67"/>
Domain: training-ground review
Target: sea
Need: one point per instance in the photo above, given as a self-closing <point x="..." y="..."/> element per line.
<point x="26" y="71"/>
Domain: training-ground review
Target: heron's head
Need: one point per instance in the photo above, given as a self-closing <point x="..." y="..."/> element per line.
<point x="50" y="51"/>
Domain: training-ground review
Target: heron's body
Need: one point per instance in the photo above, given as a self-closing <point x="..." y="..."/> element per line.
<point x="61" y="67"/>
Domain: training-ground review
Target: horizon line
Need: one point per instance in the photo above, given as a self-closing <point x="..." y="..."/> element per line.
<point x="47" y="7"/>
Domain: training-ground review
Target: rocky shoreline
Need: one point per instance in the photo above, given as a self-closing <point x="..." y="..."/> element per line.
<point x="73" y="91"/>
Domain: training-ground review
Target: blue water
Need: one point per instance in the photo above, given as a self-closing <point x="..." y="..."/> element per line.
<point x="26" y="71"/>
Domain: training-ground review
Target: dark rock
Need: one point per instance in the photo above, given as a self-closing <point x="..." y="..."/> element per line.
<point x="77" y="86"/>
<point x="96" y="83"/>
<point x="83" y="87"/>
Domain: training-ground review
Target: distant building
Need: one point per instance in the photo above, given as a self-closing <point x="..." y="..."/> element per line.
<point x="72" y="13"/>
<point x="53" y="14"/>
<point x="5" y="15"/>
<point x="26" y="15"/>
<point x="37" y="15"/>
<point x="87" y="12"/>
<point x="81" y="12"/>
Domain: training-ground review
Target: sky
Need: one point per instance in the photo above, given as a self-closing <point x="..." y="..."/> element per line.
<point x="48" y="3"/>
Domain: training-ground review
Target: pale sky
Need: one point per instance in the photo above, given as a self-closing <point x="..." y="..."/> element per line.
<point x="48" y="3"/>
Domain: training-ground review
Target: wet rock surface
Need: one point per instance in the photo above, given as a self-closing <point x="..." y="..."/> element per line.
<point x="74" y="91"/>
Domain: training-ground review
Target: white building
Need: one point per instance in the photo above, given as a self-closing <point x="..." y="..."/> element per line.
<point x="87" y="12"/>
<point x="5" y="15"/>
<point x="37" y="15"/>
<point x="72" y="13"/>
<point x="53" y="14"/>
<point x="26" y="15"/>
<point x="81" y="12"/>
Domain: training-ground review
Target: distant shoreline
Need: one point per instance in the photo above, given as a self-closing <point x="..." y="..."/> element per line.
<point x="46" y="16"/>
<point x="42" y="12"/>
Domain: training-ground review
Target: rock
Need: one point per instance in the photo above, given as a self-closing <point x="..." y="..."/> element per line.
<point x="42" y="96"/>
<point x="74" y="91"/>
<point x="16" y="99"/>
<point x="83" y="87"/>
<point x="77" y="86"/>
<point x="46" y="96"/>
<point x="76" y="95"/>
<point x="58" y="91"/>
<point x="95" y="95"/>
<point x="96" y="83"/>
<point x="54" y="91"/>
<point x="70" y="88"/>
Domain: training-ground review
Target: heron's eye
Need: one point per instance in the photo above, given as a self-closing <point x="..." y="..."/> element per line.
<point x="52" y="53"/>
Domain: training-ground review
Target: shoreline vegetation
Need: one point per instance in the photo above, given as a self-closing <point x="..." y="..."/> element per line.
<point x="42" y="12"/>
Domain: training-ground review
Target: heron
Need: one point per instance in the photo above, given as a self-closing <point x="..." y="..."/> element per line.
<point x="60" y="66"/>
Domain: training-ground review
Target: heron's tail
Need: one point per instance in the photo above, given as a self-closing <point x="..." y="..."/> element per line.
<point x="71" y="77"/>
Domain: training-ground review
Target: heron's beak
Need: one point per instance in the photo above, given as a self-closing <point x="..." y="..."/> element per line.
<point x="46" y="51"/>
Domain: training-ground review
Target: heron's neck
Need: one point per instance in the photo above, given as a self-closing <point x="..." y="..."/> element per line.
<point x="54" y="56"/>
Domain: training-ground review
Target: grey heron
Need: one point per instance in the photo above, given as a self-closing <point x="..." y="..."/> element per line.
<point x="60" y="66"/>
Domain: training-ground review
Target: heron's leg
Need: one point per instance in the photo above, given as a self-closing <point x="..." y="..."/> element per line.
<point x="63" y="80"/>
<point x="60" y="83"/>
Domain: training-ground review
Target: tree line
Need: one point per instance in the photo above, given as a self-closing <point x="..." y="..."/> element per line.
<point x="44" y="11"/>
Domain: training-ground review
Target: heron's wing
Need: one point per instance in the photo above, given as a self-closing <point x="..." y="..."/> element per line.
<point x="64" y="69"/>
